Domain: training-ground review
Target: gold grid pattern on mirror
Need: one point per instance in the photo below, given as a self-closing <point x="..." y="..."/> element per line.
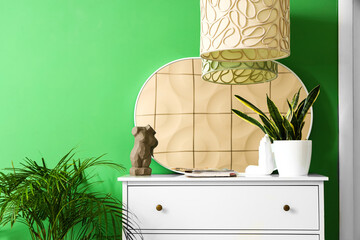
<point x="193" y="120"/>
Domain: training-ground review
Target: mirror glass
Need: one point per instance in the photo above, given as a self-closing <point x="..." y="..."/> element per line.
<point x="193" y="120"/>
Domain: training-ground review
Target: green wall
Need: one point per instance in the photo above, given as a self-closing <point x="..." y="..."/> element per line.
<point x="70" y="71"/>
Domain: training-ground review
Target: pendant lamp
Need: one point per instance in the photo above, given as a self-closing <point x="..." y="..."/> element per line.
<point x="244" y="31"/>
<point x="239" y="72"/>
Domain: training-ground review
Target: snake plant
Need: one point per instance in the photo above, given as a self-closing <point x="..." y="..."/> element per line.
<point x="277" y="126"/>
<point x="59" y="203"/>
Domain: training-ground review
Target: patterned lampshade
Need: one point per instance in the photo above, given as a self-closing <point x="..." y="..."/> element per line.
<point x="239" y="72"/>
<point x="245" y="30"/>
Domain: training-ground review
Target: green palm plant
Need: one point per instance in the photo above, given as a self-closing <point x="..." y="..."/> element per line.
<point x="58" y="203"/>
<point x="278" y="127"/>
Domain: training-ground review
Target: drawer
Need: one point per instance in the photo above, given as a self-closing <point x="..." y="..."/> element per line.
<point x="225" y="207"/>
<point x="226" y="237"/>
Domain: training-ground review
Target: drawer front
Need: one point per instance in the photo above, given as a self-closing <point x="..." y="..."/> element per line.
<point x="226" y="237"/>
<point x="225" y="207"/>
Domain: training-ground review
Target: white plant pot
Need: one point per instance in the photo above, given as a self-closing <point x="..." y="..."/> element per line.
<point x="292" y="157"/>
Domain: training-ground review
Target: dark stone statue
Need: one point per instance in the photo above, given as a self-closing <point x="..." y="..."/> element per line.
<point x="143" y="150"/>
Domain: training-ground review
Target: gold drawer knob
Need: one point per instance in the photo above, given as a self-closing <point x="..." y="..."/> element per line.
<point x="159" y="207"/>
<point x="286" y="208"/>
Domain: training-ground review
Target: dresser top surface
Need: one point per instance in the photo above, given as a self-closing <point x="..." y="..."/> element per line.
<point x="183" y="178"/>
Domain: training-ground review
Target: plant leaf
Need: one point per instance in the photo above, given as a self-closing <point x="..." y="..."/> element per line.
<point x="270" y="134"/>
<point x="249" y="119"/>
<point x="294" y="102"/>
<point x="309" y="101"/>
<point x="276" y="117"/>
<point x="290" y="111"/>
<point x="300" y="107"/>
<point x="251" y="106"/>
<point x="295" y="99"/>
<point x="294" y="119"/>
<point x="290" y="131"/>
<point x="270" y="128"/>
<point x="299" y="134"/>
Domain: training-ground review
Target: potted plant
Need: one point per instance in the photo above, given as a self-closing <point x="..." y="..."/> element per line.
<point x="292" y="155"/>
<point x="59" y="203"/>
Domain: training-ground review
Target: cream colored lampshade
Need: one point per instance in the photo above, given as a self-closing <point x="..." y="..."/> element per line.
<point x="245" y="30"/>
<point x="239" y="72"/>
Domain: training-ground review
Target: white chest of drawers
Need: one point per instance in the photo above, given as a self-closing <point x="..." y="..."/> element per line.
<point x="174" y="207"/>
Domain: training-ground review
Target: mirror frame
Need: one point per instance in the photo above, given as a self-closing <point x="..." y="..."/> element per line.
<point x="190" y="58"/>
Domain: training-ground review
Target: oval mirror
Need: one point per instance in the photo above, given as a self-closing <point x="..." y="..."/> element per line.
<point x="193" y="120"/>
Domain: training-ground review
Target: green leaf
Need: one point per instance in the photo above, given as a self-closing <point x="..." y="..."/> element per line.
<point x="271" y="135"/>
<point x="299" y="108"/>
<point x="250" y="106"/>
<point x="309" y="101"/>
<point x="294" y="103"/>
<point x="294" y="119"/>
<point x="290" y="111"/>
<point x="270" y="128"/>
<point x="290" y="131"/>
<point x="295" y="99"/>
<point x="249" y="119"/>
<point x="299" y="133"/>
<point x="276" y="117"/>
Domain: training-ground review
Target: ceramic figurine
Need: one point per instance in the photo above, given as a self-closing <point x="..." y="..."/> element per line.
<point x="143" y="150"/>
<point x="266" y="164"/>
